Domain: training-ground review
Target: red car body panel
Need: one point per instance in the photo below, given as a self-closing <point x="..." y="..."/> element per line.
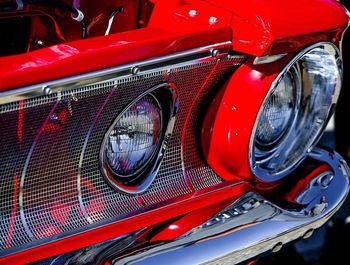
<point x="272" y="27"/>
<point x="254" y="27"/>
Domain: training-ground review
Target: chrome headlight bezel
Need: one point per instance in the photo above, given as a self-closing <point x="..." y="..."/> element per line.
<point x="268" y="168"/>
<point x="166" y="98"/>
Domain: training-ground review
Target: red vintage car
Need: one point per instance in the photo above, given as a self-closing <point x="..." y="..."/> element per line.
<point x="166" y="132"/>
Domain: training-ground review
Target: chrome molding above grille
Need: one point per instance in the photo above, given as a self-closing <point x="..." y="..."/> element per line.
<point x="179" y="59"/>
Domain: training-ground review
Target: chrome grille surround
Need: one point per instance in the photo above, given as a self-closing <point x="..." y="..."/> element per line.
<point x="52" y="184"/>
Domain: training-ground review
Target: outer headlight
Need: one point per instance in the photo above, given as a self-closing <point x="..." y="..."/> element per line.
<point x="135" y="143"/>
<point x="277" y="115"/>
<point x="295" y="111"/>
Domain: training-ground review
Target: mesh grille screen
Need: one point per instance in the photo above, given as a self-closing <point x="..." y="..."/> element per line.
<point x="51" y="182"/>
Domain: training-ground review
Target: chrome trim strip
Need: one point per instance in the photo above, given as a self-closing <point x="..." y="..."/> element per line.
<point x="201" y="54"/>
<point x="253" y="225"/>
<point x="268" y="58"/>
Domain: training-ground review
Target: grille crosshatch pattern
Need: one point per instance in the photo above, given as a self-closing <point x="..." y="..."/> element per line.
<point x="51" y="182"/>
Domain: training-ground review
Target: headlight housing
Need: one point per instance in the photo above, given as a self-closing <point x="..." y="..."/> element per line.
<point x="295" y="111"/>
<point x="135" y="143"/>
<point x="135" y="138"/>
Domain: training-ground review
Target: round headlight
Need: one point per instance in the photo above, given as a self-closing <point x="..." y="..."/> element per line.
<point x="278" y="113"/>
<point x="135" y="143"/>
<point x="134" y="138"/>
<point x="295" y="111"/>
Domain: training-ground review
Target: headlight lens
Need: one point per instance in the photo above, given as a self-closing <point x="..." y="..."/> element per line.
<point x="134" y="138"/>
<point x="278" y="113"/>
<point x="295" y="111"/>
<point x="134" y="145"/>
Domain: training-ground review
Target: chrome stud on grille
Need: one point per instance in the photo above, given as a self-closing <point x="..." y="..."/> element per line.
<point x="47" y="90"/>
<point x="214" y="52"/>
<point x="135" y="70"/>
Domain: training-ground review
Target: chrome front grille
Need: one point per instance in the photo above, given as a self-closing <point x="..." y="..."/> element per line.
<point x="51" y="183"/>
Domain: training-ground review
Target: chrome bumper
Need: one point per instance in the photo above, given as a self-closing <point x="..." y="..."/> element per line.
<point x="254" y="225"/>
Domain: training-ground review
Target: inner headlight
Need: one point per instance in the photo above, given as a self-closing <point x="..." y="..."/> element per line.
<point x="295" y="111"/>
<point x="134" y="138"/>
<point x="135" y="143"/>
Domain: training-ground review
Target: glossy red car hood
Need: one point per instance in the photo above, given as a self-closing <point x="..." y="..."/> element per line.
<point x="268" y="26"/>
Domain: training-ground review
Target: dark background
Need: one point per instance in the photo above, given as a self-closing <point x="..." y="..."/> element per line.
<point x="329" y="244"/>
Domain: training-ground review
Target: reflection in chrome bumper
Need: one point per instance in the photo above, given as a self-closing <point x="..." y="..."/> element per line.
<point x="254" y="225"/>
